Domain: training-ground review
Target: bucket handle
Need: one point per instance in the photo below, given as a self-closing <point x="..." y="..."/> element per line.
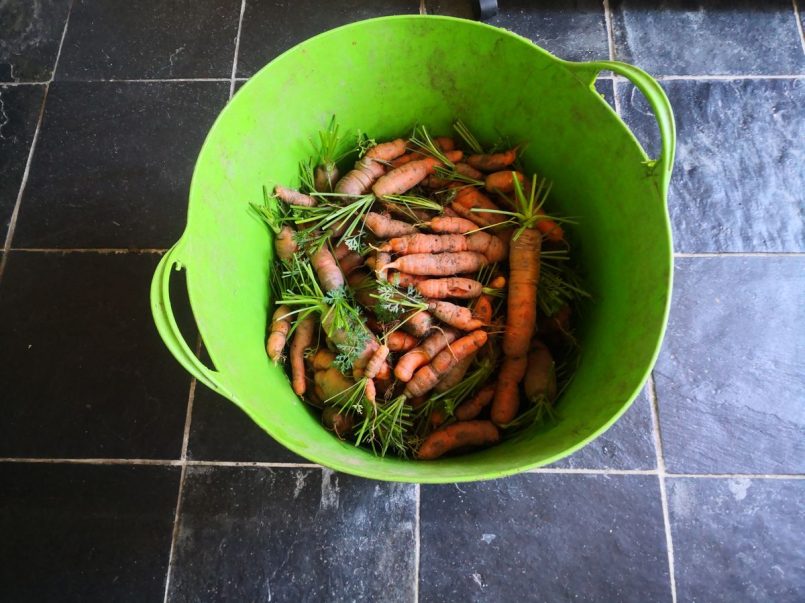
<point x="660" y="106"/>
<point x="166" y="322"/>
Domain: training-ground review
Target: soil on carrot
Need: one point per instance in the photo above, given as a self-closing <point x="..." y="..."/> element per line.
<point x="424" y="291"/>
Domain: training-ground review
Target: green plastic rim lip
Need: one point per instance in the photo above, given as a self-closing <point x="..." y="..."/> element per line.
<point x="659" y="170"/>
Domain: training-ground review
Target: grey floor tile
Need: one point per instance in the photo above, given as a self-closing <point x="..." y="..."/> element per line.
<point x="148" y="39"/>
<point x="738" y="182"/>
<point x="738" y="539"/>
<point x="574" y="30"/>
<point x="113" y="163"/>
<point x="628" y="444"/>
<point x="249" y="534"/>
<point x="273" y="26"/>
<point x="85" y="532"/>
<point x="708" y="37"/>
<point x="29" y="38"/>
<point x="19" y="112"/>
<point x="84" y="372"/>
<point x="731" y="375"/>
<point x="544" y="538"/>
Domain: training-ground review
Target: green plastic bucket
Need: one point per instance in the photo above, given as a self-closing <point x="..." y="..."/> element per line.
<point x="381" y="76"/>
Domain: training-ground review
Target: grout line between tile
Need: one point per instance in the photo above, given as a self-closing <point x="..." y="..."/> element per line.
<point x="696" y="78"/>
<point x="610" y="30"/>
<point x="12" y="224"/>
<point x="99" y="250"/>
<point x="417" y="540"/>
<point x="797" y="16"/>
<point x="658" y="449"/>
<point x="742" y="254"/>
<point x="237" y="50"/>
<point x="795" y="476"/>
<point x="549" y="470"/>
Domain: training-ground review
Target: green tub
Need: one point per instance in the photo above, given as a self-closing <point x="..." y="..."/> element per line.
<point x="382" y="76"/>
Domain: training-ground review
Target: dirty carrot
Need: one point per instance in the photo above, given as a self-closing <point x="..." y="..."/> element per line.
<point x="507" y="398"/>
<point x="292" y="197"/>
<point x="302" y="338"/>
<point x="443" y="264"/>
<point x="451" y="225"/>
<point x="360" y="179"/>
<point x="457" y="317"/>
<point x="469" y="409"/>
<point x="423" y="353"/>
<point x="457" y="435"/>
<point x="376" y="362"/>
<point x="285" y="243"/>
<point x="280" y="326"/>
<point x="400" y="342"/>
<point x="502" y="181"/>
<point x="493" y="162"/>
<point x="327" y="269"/>
<point x="429" y="375"/>
<point x="540" y="379"/>
<point x="385" y="227"/>
<point x="453" y="286"/>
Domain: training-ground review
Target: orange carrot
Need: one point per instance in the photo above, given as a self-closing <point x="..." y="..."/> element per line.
<point x="376" y="362"/>
<point x="498" y="282"/>
<point x="454" y="375"/>
<point x="400" y="342"/>
<point x="407" y="158"/>
<point x="452" y="286"/>
<point x="454" y="156"/>
<point x="359" y="180"/>
<point x="292" y="197"/>
<point x="551" y="230"/>
<point x="350" y="262"/>
<point x="333" y="384"/>
<point x="458" y="317"/>
<point x="437" y="417"/>
<point x="384" y="227"/>
<point x="417" y="323"/>
<point x="386" y="151"/>
<point x="429" y="375"/>
<point x="285" y="244"/>
<point x="503" y="181"/>
<point x="382" y="260"/>
<point x="493" y="162"/>
<point x="341" y="424"/>
<point x="403" y="279"/>
<point x="341" y="250"/>
<point x="445" y="143"/>
<point x="507" y="398"/>
<point x="401" y="179"/>
<point x="483" y="310"/>
<point x="325" y="176"/>
<point x="443" y="264"/>
<point x="469" y="409"/>
<point x="451" y="225"/>
<point x="302" y="338"/>
<point x="521" y="316"/>
<point x="322" y="359"/>
<point x="426" y="243"/>
<point x="327" y="269"/>
<point x="423" y="353"/>
<point x="280" y="326"/>
<point x="457" y="435"/>
<point x="370" y="391"/>
<point x="469" y="198"/>
<point x="465" y="169"/>
<point x="540" y="379"/>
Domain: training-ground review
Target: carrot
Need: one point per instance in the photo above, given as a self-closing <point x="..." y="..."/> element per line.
<point x="465" y="169"/>
<point x="325" y="176"/>
<point x="454" y="156"/>
<point x="458" y="317"/>
<point x="469" y="409"/>
<point x="370" y="390"/>
<point x="333" y="384"/>
<point x="426" y="243"/>
<point x="502" y="181"/>
<point x="507" y="398"/>
<point x="493" y="162"/>
<point x="521" y="316"/>
<point x="423" y="353"/>
<point x="327" y="269"/>
<point x="454" y="375"/>
<point x="449" y="212"/>
<point x="540" y="379"/>
<point x="322" y="359"/>
<point x="403" y="279"/>
<point x="405" y="177"/>
<point x="384" y="227"/>
<point x="376" y="362"/>
<point x="551" y="230"/>
<point x="457" y="435"/>
<point x="417" y="323"/>
<point x="386" y="151"/>
<point x="445" y="143"/>
<point x="451" y="225"/>
<point x="469" y="198"/>
<point x="498" y="282"/>
<point x="350" y="262"/>
<point x="280" y="326"/>
<point x="443" y="264"/>
<point x="359" y="180"/>
<point x="490" y="245"/>
<point x="407" y="158"/>
<point x="292" y="197"/>
<point x="341" y="250"/>
<point x="429" y="375"/>
<point x="341" y="424"/>
<point x="453" y="286"/>
<point x="382" y="260"/>
<point x="285" y="244"/>
<point x="437" y="417"/>
<point x="302" y="338"/>
<point x="400" y="342"/>
<point x="482" y="309"/>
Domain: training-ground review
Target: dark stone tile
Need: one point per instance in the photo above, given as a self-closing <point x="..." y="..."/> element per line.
<point x="29" y="38"/>
<point x="108" y="39"/>
<point x="220" y="431"/>
<point x="708" y="37"/>
<point x="544" y="537"/>
<point x="738" y="182"/>
<point x="574" y="30"/>
<point x="628" y="444"/>
<point x="113" y="163"/>
<point x="272" y="27"/>
<point x="738" y="539"/>
<point x="249" y="534"/>
<point x="85" y="532"/>
<point x="84" y="372"/>
<point x="19" y="112"/>
<point x="731" y="373"/>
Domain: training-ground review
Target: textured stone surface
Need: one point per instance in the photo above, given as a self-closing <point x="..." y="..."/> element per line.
<point x="738" y="182"/>
<point x="574" y="30"/>
<point x="249" y="534"/>
<point x="738" y="539"/>
<point x="731" y="375"/>
<point x="108" y="39"/>
<point x="30" y="33"/>
<point x="85" y="533"/>
<point x="19" y="112"/>
<point x="544" y="538"/>
<point x="712" y="37"/>
<point x="84" y="372"/>
<point x="628" y="444"/>
<point x="113" y="163"/>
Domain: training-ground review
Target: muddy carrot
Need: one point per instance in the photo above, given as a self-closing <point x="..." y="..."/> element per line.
<point x="469" y="409"/>
<point x="280" y="326"/>
<point x="384" y="227"/>
<point x="376" y="362"/>
<point x="451" y="225"/>
<point x="493" y="162"/>
<point x="453" y="286"/>
<point x="456" y="316"/>
<point x="386" y="151"/>
<point x="292" y="197"/>
<point x="359" y="180"/>
<point x="502" y="181"/>
<point x="423" y="353"/>
<point x="330" y="275"/>
<point x="341" y="424"/>
<point x="521" y="316"/>
<point x="482" y="309"/>
<point x="285" y="243"/>
<point x="417" y="323"/>
<point x="457" y="435"/>
<point x="540" y="378"/>
<point x="400" y="342"/>
<point x="443" y="264"/>
<point x="302" y="339"/>
<point x="429" y="375"/>
<point x="454" y="375"/>
<point x="507" y="397"/>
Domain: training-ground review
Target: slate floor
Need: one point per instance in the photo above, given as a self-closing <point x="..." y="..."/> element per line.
<point x="123" y="480"/>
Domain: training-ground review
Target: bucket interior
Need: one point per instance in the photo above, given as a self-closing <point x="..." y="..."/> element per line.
<point x="382" y="77"/>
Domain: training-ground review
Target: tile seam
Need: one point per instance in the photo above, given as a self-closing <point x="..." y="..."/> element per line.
<point x="237" y="49"/>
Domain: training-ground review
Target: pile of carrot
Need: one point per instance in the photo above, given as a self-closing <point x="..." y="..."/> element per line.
<point x="409" y="305"/>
